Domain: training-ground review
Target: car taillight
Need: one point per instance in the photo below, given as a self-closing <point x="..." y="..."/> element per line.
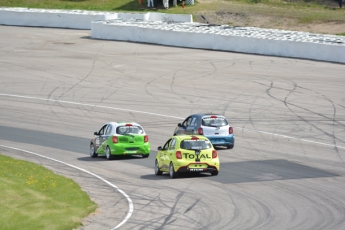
<point x="178" y="155"/>
<point x="231" y="130"/>
<point x="200" y="131"/>
<point x="213" y="116"/>
<point x="128" y="124"/>
<point x="115" y="140"/>
<point x="146" y="138"/>
<point x="214" y="154"/>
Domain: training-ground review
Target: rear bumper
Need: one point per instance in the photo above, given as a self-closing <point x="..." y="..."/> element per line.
<point x="222" y="140"/>
<point x="120" y="149"/>
<point x="188" y="168"/>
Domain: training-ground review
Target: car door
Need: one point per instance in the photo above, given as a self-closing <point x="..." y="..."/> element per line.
<point x="164" y="157"/>
<point x="171" y="152"/>
<point x="100" y="139"/>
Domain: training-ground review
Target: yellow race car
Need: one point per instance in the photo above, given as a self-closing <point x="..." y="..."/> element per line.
<point x="187" y="153"/>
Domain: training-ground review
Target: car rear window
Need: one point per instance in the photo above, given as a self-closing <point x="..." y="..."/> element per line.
<point x="195" y="144"/>
<point x="214" y="121"/>
<point x="129" y="129"/>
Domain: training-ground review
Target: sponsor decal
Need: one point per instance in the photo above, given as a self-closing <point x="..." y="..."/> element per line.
<point x="192" y="156"/>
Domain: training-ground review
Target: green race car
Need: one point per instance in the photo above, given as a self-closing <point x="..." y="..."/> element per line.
<point x="120" y="138"/>
<point x="187" y="153"/>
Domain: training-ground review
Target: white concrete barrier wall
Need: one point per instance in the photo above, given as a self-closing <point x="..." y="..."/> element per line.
<point x="179" y="30"/>
<point x="76" y="19"/>
<point x="284" y="43"/>
<point x="52" y="18"/>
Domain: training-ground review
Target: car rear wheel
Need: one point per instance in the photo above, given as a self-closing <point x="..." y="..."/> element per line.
<point x="93" y="153"/>
<point x="230" y="146"/>
<point x="157" y="170"/>
<point x="214" y="173"/>
<point x="172" y="172"/>
<point x="145" y="155"/>
<point x="108" y="153"/>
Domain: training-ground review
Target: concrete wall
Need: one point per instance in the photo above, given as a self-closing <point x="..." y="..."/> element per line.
<point x="75" y="19"/>
<point x="179" y="30"/>
<point x="245" y="40"/>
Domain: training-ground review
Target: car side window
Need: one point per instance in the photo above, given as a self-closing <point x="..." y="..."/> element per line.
<point x="101" y="131"/>
<point x="187" y="121"/>
<point x="108" y="130"/>
<point x="193" y="122"/>
<point x="173" y="144"/>
<point x="165" y="147"/>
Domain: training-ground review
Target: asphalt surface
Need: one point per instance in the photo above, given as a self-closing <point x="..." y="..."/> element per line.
<point x="286" y="170"/>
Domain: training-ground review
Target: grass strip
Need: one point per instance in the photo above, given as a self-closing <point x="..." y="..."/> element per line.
<point x="37" y="198"/>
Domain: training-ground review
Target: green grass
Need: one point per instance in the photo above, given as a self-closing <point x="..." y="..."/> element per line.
<point x="133" y="5"/>
<point x="36" y="198"/>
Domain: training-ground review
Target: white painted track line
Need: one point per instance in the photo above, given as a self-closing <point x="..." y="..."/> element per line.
<point x="130" y="203"/>
<point x="162" y="115"/>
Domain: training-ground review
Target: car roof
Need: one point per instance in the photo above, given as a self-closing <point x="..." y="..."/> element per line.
<point x="188" y="137"/>
<point x="123" y="123"/>
<point x="206" y="114"/>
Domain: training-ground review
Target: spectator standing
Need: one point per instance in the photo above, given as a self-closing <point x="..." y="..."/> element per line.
<point x="340" y="3"/>
<point x="166" y="4"/>
<point x="150" y="2"/>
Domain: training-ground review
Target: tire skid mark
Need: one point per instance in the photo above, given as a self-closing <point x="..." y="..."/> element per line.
<point x="259" y="209"/>
<point x="172" y="210"/>
<point x="287" y="104"/>
<point x="329" y="206"/>
<point x="91" y="70"/>
<point x="93" y="106"/>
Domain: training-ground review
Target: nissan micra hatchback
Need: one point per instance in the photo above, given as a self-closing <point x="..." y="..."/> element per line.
<point x="187" y="154"/>
<point x="120" y="138"/>
<point x="215" y="127"/>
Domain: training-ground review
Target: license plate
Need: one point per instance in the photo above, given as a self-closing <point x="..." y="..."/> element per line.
<point x="131" y="152"/>
<point x="196" y="169"/>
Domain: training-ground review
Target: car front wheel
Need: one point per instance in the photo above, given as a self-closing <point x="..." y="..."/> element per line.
<point x="108" y="153"/>
<point x="157" y="170"/>
<point x="93" y="153"/>
<point x="172" y="172"/>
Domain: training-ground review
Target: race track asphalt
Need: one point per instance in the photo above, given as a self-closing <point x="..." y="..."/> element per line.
<point x="286" y="171"/>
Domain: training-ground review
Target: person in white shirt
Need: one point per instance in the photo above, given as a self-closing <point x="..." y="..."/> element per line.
<point x="166" y="4"/>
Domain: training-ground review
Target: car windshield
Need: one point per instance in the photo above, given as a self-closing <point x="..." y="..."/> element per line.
<point x="214" y="121"/>
<point x="195" y="144"/>
<point x="123" y="130"/>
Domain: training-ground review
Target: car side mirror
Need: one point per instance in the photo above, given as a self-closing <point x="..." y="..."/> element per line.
<point x="179" y="125"/>
<point x="159" y="148"/>
<point x="95" y="133"/>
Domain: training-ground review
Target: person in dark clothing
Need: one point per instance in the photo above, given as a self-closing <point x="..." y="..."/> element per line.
<point x="340" y="3"/>
<point x="155" y="2"/>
